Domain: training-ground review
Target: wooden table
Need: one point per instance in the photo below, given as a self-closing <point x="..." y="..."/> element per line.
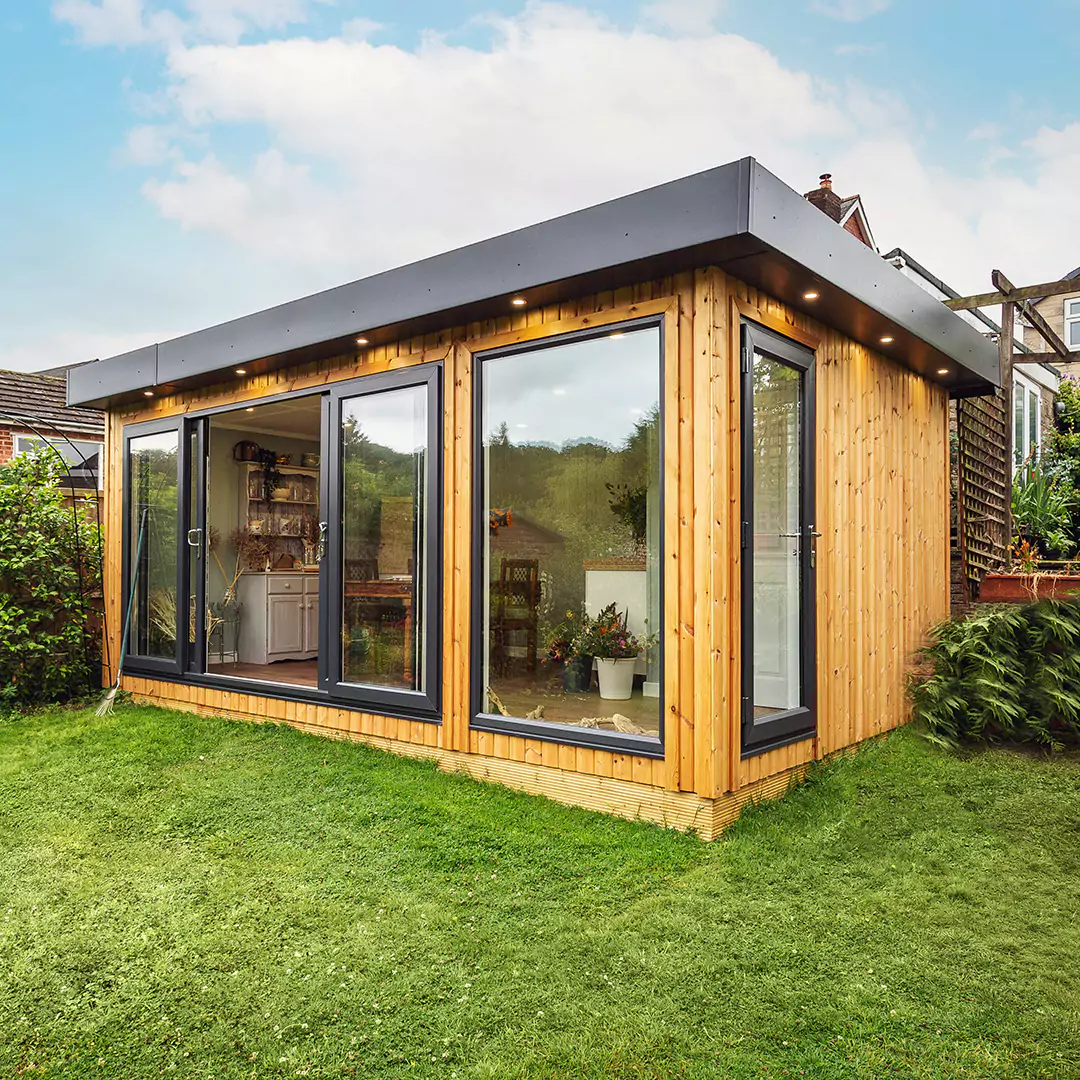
<point x="388" y="589"/>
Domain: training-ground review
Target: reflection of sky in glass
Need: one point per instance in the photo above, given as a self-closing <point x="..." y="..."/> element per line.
<point x="166" y="440"/>
<point x="395" y="419"/>
<point x="596" y="389"/>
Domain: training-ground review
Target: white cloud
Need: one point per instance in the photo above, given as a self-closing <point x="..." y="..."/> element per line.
<point x="450" y="144"/>
<point x="850" y="10"/>
<point x="372" y="155"/>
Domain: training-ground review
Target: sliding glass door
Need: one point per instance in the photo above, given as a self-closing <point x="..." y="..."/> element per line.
<point x="293" y="541"/>
<point x="779" y="541"/>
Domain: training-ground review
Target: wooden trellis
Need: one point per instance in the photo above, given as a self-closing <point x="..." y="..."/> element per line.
<point x="984" y="430"/>
<point x="983" y="486"/>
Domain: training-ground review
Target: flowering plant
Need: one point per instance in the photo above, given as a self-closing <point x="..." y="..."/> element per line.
<point x="560" y="640"/>
<point x="607" y="637"/>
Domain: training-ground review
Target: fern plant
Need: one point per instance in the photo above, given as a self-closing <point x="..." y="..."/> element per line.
<point x="1004" y="674"/>
<point x="1042" y="508"/>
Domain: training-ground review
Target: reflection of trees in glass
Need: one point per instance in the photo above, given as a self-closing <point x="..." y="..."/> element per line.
<point x="571" y="491"/>
<point x="370" y="473"/>
<point x="777" y="389"/>
<point x="154" y="488"/>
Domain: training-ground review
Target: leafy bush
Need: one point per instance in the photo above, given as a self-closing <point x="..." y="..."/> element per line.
<point x="1004" y="674"/>
<point x="1042" y="508"/>
<point x="49" y="562"/>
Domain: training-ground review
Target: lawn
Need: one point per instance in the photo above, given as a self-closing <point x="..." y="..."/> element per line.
<point x="198" y="898"/>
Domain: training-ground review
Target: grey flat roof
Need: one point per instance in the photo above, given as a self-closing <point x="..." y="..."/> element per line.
<point x="737" y="216"/>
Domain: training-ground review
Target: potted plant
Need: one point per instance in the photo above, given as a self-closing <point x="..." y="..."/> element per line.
<point x="616" y="650"/>
<point x="562" y="649"/>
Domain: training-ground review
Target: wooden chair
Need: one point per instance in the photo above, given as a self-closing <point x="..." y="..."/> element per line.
<point x="517" y="612"/>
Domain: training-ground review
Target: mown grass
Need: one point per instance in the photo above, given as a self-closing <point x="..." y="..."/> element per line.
<point x="193" y="897"/>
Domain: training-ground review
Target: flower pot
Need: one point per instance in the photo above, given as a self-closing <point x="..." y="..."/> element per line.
<point x="616" y="677"/>
<point x="1026" y="588"/>
<point x="577" y="674"/>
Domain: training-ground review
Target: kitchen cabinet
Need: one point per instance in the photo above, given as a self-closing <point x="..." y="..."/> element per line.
<point x="281" y="617"/>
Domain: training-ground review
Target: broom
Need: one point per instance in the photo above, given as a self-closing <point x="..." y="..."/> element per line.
<point x="107" y="701"/>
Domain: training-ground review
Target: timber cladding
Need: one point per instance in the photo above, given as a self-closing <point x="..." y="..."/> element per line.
<point x="882" y="567"/>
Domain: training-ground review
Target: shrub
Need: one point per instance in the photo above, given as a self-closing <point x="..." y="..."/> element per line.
<point x="1042" y="509"/>
<point x="49" y="564"/>
<point x="1008" y="674"/>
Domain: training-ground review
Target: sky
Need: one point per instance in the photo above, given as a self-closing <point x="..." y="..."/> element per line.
<point x="170" y="164"/>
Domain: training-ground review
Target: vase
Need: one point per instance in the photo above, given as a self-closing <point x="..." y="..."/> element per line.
<point x="577" y="674"/>
<point x="616" y="677"/>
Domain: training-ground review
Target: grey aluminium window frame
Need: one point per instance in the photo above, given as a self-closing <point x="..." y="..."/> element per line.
<point x="589" y="738"/>
<point x="792" y="725"/>
<point x="186" y="666"/>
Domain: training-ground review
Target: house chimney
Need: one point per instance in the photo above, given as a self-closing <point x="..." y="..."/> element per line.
<point x="825" y="199"/>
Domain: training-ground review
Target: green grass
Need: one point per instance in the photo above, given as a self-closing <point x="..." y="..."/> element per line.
<point x="192" y="897"/>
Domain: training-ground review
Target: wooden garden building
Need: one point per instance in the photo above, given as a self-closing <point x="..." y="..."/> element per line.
<point x="642" y="508"/>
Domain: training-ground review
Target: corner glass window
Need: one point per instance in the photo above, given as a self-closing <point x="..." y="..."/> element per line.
<point x="570" y="520"/>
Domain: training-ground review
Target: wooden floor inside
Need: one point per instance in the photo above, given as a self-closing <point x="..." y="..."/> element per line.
<point x="522" y="696"/>
<point x="287" y="672"/>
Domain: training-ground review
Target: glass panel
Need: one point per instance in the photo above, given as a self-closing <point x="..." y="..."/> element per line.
<point x="383" y="509"/>
<point x="571" y="556"/>
<point x="262" y="509"/>
<point x="154" y="461"/>
<point x="1018" y="424"/>
<point x="1073" y="339"/>
<point x="777" y="537"/>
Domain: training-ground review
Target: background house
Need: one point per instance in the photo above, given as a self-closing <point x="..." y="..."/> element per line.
<point x="34" y="409"/>
<point x="1063" y="315"/>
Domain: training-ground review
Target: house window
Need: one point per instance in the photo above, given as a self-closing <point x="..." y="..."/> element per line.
<point x="82" y="456"/>
<point x="1027" y="421"/>
<point x="1072" y="323"/>
<point x="569" y="516"/>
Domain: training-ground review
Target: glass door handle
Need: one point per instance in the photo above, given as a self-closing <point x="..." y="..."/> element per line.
<point x="813" y="534"/>
<point x="194" y="539"/>
<point x="320" y="552"/>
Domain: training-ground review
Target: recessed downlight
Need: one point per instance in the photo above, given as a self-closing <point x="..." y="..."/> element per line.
<point x="886" y="339"/>
<point x="250" y="408"/>
<point x="519" y="301"/>
<point x="148" y="393"/>
<point x="618" y="334"/>
<point x="943" y="371"/>
<point x="811" y="294"/>
<point x="361" y="341"/>
<point x="241" y="371"/>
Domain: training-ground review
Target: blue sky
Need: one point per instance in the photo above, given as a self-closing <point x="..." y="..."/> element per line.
<point x="168" y="164"/>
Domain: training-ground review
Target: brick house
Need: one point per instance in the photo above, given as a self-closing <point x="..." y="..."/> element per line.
<point x="34" y="409"/>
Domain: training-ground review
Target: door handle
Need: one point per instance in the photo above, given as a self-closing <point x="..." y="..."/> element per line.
<point x="194" y="539"/>
<point x="320" y="553"/>
<point x="813" y="535"/>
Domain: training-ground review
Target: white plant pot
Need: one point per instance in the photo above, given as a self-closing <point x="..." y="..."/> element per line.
<point x="616" y="677"/>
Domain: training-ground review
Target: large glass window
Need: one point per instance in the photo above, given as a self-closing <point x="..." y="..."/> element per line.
<point x="383" y="503"/>
<point x="570" y="520"/>
<point x="84" y="458"/>
<point x="153" y="521"/>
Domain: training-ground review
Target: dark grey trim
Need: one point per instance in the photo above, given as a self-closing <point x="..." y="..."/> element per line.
<point x="514" y="725"/>
<point x="778" y="729"/>
<point x="568" y="735"/>
<point x="133" y="662"/>
<point x="738" y="216"/>
<point x="285" y="692"/>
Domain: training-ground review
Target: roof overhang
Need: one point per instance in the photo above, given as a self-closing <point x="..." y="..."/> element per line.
<point x="738" y="217"/>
